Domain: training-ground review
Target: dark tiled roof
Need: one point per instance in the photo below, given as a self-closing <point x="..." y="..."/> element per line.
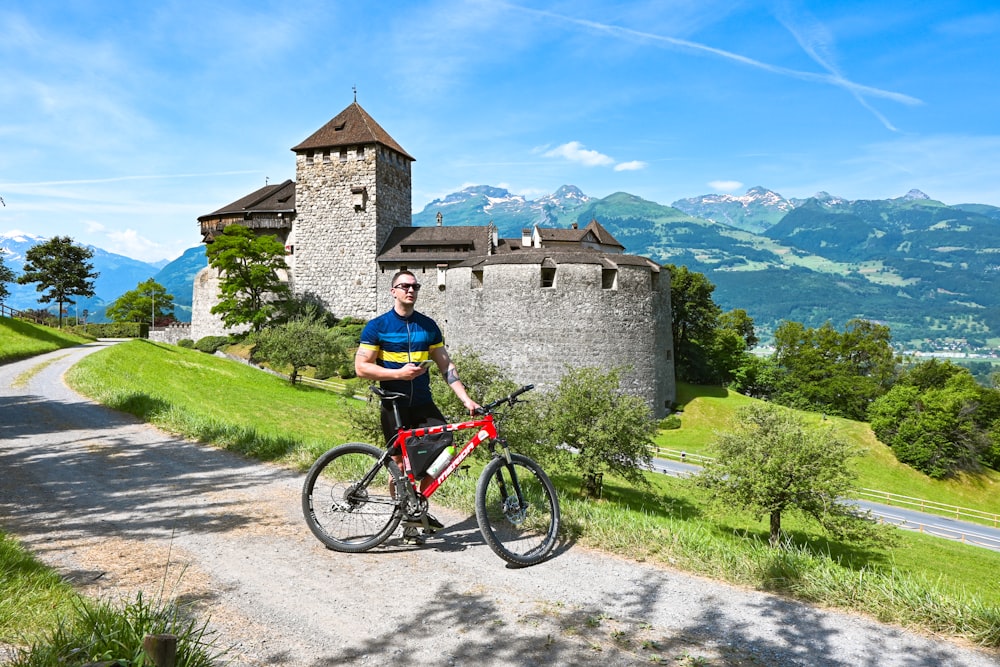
<point x="278" y="198"/>
<point x="351" y="127"/>
<point x="547" y="256"/>
<point x="425" y="244"/>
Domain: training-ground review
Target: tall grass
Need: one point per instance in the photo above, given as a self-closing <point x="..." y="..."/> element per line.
<point x="98" y="631"/>
<point x="52" y="626"/>
<point x="227" y="403"/>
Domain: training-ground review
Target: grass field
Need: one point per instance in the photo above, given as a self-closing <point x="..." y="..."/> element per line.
<point x="20" y="340"/>
<point x="232" y="405"/>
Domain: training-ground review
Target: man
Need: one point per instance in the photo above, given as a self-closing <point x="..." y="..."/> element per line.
<point x="393" y="347"/>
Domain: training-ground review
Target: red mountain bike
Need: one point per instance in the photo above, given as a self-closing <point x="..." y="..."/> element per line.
<point x="355" y="495"/>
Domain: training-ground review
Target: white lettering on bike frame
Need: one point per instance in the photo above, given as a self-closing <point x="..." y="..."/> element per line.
<point x="488" y="430"/>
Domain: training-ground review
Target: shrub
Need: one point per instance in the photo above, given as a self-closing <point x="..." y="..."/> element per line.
<point x="211" y="344"/>
<point x="670" y="423"/>
<point x="185" y="342"/>
<point x="112" y="330"/>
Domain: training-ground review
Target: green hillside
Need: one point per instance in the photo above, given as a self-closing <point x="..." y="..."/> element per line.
<point x="20" y="339"/>
<point x="707" y="410"/>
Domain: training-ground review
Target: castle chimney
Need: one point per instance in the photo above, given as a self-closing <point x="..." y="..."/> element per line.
<point x="439" y="218"/>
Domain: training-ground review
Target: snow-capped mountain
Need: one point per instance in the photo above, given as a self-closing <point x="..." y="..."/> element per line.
<point x="755" y="211"/>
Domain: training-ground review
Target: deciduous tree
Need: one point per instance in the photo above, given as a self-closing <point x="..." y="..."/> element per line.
<point x="6" y="276"/>
<point x="61" y="269"/>
<point x="597" y="427"/>
<point x="250" y="286"/>
<point x="939" y="420"/>
<point x="770" y="464"/>
<point x="833" y="372"/>
<point x="148" y="302"/>
<point x="300" y="343"/>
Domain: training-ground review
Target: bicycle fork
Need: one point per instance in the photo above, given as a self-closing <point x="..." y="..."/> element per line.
<point x="514" y="506"/>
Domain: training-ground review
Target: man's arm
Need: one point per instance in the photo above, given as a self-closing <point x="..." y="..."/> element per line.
<point x="450" y="373"/>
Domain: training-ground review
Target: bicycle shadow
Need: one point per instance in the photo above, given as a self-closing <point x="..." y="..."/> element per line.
<point x="460" y="536"/>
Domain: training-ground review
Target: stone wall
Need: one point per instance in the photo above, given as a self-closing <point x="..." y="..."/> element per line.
<point x="206" y="294"/>
<point x="347" y="203"/>
<point x="171" y="334"/>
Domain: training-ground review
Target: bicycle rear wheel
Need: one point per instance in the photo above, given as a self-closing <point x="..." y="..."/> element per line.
<point x="347" y="498"/>
<point x="517" y="510"/>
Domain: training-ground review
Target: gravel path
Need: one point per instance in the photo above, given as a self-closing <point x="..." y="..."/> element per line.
<point x="118" y="506"/>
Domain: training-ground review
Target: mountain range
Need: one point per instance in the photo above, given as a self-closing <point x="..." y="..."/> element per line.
<point x="929" y="270"/>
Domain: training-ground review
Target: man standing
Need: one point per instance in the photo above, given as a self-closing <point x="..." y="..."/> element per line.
<point x="395" y="349"/>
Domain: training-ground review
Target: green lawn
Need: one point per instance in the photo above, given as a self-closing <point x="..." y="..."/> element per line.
<point x="20" y="340"/>
<point x="232" y="405"/>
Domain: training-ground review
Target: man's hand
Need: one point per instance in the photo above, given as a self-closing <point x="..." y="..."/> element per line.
<point x="410" y="371"/>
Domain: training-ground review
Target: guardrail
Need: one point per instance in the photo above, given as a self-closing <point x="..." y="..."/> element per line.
<point x="681" y="455"/>
<point x="932" y="507"/>
<point x="963" y="536"/>
<point x="883" y="497"/>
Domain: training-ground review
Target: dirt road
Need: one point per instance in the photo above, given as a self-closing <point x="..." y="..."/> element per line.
<point x="118" y="506"/>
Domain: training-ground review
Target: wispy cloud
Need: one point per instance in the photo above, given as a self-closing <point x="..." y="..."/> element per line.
<point x="725" y="186"/>
<point x="819" y="44"/>
<point x="633" y="165"/>
<point x="811" y="35"/>
<point x="575" y="152"/>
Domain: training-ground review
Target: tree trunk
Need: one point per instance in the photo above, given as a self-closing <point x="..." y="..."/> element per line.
<point x="775" y="539"/>
<point x="592" y="485"/>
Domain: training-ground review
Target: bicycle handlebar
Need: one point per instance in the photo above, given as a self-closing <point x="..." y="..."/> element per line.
<point x="510" y="399"/>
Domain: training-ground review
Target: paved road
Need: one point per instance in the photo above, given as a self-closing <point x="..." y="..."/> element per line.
<point x="119" y="506"/>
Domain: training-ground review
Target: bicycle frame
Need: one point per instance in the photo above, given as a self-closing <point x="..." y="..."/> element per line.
<point x="487" y="431"/>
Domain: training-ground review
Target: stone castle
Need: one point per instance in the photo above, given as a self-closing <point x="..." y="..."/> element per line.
<point x="533" y="305"/>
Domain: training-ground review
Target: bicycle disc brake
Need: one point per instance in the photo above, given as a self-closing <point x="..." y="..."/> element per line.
<point x="515" y="512"/>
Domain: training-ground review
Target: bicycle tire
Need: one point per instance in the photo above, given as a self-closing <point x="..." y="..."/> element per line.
<point x="519" y="534"/>
<point x="343" y="517"/>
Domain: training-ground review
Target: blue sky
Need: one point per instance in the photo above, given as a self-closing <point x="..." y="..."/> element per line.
<point x="121" y="122"/>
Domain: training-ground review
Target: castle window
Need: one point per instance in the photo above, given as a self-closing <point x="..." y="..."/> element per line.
<point x="477" y="279"/>
<point x="361" y="153"/>
<point x="548" y="277"/>
<point x="359" y="197"/>
<point x="342" y="154"/>
<point x="326" y="157"/>
<point x="609" y="278"/>
<point x="655" y="280"/>
<point x="309" y="157"/>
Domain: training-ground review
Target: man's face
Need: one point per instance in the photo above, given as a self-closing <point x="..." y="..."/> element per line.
<point x="406" y="288"/>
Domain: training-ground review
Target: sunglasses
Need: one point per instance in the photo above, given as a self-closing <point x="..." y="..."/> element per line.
<point x="407" y="286"/>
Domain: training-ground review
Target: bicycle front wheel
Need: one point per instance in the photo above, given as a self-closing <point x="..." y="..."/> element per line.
<point x="517" y="510"/>
<point x="348" y="498"/>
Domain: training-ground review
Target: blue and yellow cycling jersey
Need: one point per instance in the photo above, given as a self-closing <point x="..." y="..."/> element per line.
<point x="399" y="340"/>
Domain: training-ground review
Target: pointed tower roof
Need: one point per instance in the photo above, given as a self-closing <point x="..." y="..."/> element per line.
<point x="351" y="127"/>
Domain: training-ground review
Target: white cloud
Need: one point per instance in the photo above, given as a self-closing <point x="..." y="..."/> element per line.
<point x="575" y="152"/>
<point x="633" y="165"/>
<point x="725" y="186"/>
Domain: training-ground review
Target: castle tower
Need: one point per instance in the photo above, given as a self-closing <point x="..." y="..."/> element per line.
<point x="352" y="188"/>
